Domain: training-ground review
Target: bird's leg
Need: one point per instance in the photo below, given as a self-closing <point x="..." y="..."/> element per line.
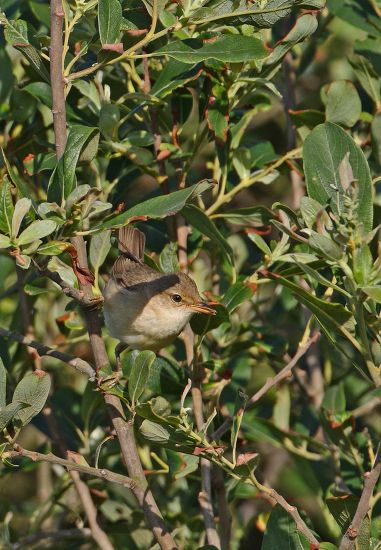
<point x="111" y="381"/>
<point x="118" y="352"/>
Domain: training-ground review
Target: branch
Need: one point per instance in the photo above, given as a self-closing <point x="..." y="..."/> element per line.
<point x="150" y="36"/>
<point x="56" y="76"/>
<point x="250" y="180"/>
<point x="270" y="383"/>
<point x="70" y="466"/>
<point x="124" y="429"/>
<point x="371" y="478"/>
<point x="29" y="540"/>
<point x="83" y="491"/>
<point x="78" y="364"/>
<point x="293" y="511"/>
<point x="68" y="290"/>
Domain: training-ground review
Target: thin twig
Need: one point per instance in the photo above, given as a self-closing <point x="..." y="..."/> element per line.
<point x="70" y="466"/>
<point x="27" y="326"/>
<point x="83" y="491"/>
<point x="270" y="383"/>
<point x="57" y="536"/>
<point x="68" y="290"/>
<point x="292" y="510"/>
<point x="250" y="180"/>
<point x="371" y="478"/>
<point x="205" y="495"/>
<point x="150" y="36"/>
<point x="78" y="364"/>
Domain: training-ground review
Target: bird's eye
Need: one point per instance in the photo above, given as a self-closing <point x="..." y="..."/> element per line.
<point x="176" y="298"/>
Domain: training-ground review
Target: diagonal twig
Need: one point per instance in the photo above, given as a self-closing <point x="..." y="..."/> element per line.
<point x="270" y="383"/>
<point x="371" y="478"/>
<point x="78" y="364"/>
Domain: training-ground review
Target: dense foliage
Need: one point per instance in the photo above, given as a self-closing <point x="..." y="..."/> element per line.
<point x="244" y="139"/>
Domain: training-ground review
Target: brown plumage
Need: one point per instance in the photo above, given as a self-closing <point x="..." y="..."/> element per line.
<point x="144" y="308"/>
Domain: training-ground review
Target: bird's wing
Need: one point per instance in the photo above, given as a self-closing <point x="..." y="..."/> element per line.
<point x="131" y="243"/>
<point x="129" y="268"/>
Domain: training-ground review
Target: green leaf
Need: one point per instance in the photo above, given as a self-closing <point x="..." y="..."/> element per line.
<point x="3" y="384"/>
<point x="326" y="246"/>
<point x="310" y="209"/>
<point x="342" y="103"/>
<point x="174" y="75"/>
<point x="204" y="323"/>
<point x="8" y="412"/>
<point x="157" y="410"/>
<point x="63" y="178"/>
<point x="109" y="21"/>
<point x="168" y="258"/>
<point x="226" y="48"/>
<point x="100" y="246"/>
<point x="262" y="15"/>
<point x="343" y="509"/>
<point x="154" y="432"/>
<point x="305" y="25"/>
<point x="261" y="243"/>
<point x="373" y="292"/>
<point x="36" y="230"/>
<point x="239" y="409"/>
<point x="205" y="225"/>
<point x="376" y="137"/>
<point x="33" y="390"/>
<point x="17" y="35"/>
<point x="157" y="207"/>
<point x="367" y="76"/>
<point x="6" y="206"/>
<point x="281" y="532"/>
<point x="315" y="275"/>
<point x="5" y="242"/>
<point x="324" y="150"/>
<point x="53" y="248"/>
<point x="6" y="76"/>
<point x="139" y="375"/>
<point x="22" y="207"/>
<point x="334" y="399"/>
<point x="235" y="295"/>
<point x="330" y="316"/>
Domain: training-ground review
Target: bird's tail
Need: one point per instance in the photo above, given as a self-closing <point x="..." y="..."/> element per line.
<point x="131" y="243"/>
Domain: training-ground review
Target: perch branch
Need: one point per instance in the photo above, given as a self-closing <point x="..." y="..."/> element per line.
<point x="371" y="478"/>
<point x="78" y="364"/>
<point x="124" y="430"/>
<point x="68" y="290"/>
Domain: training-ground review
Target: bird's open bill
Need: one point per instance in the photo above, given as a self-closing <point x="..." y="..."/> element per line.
<point x="202" y="307"/>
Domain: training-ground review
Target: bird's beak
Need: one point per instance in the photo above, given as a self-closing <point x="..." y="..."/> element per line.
<point x="202" y="307"/>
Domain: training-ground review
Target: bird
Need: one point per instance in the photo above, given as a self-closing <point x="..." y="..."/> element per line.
<point x="143" y="308"/>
